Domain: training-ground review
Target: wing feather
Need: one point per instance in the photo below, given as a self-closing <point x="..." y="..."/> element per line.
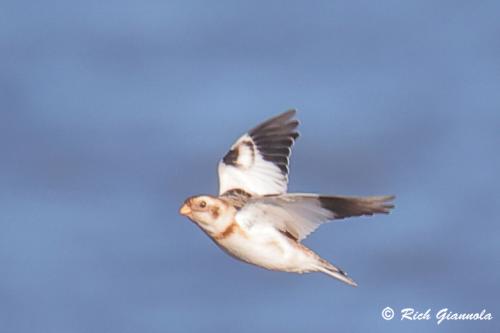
<point x="258" y="161"/>
<point x="301" y="214"/>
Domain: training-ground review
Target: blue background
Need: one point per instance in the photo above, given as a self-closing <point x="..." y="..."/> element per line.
<point x="113" y="112"/>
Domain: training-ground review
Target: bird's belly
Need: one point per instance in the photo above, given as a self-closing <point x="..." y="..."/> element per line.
<point x="267" y="252"/>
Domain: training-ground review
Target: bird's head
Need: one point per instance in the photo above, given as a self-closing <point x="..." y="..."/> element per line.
<point x="210" y="213"/>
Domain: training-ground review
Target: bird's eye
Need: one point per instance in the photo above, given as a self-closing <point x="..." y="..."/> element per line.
<point x="203" y="204"/>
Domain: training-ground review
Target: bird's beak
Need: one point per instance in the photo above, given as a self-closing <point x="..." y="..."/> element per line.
<point x="185" y="210"/>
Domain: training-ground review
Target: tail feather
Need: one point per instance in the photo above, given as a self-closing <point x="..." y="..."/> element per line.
<point x="335" y="272"/>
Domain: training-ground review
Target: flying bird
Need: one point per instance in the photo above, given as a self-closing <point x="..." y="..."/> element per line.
<point x="255" y="220"/>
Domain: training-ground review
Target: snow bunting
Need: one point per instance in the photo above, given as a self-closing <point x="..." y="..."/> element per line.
<point x="255" y="220"/>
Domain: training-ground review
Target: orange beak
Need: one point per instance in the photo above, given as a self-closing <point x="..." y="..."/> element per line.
<point x="185" y="210"/>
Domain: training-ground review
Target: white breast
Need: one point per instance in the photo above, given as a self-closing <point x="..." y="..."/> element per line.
<point x="266" y="247"/>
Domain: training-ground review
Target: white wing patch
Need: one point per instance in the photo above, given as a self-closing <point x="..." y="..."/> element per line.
<point x="298" y="215"/>
<point x="301" y="214"/>
<point x="251" y="172"/>
<point x="258" y="162"/>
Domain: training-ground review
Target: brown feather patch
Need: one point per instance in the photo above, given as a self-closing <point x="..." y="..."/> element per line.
<point x="215" y="212"/>
<point x="231" y="229"/>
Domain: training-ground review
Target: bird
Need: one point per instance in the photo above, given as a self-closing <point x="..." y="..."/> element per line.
<point x="255" y="220"/>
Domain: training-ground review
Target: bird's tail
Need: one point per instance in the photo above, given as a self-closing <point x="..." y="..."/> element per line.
<point x="335" y="272"/>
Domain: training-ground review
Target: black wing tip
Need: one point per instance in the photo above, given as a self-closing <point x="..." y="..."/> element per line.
<point x="290" y="113"/>
<point x="343" y="207"/>
<point x="275" y="137"/>
<point x="385" y="203"/>
<point x="278" y="127"/>
<point x="282" y="119"/>
<point x="288" y="117"/>
<point x="381" y="204"/>
<point x="231" y="157"/>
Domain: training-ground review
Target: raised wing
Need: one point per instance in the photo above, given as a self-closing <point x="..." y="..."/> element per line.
<point x="258" y="161"/>
<point x="298" y="215"/>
